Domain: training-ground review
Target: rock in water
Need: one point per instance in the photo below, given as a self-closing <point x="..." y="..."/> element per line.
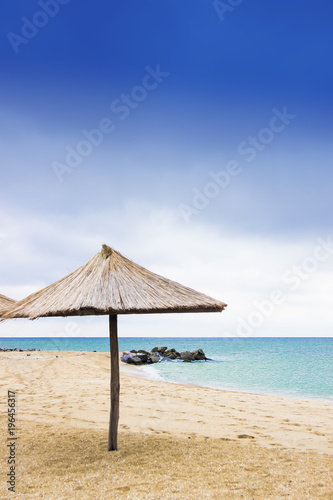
<point x="169" y="351"/>
<point x="158" y="354"/>
<point x="187" y="356"/>
<point x="142" y="351"/>
<point x="142" y="356"/>
<point x="198" y="354"/>
<point x="171" y="354"/>
<point x="160" y="350"/>
<point x="154" y="357"/>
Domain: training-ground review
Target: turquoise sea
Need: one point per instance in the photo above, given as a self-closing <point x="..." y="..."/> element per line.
<point x="290" y="367"/>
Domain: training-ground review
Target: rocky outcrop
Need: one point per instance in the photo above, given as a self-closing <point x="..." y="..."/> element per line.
<point x="142" y="351"/>
<point x="142" y="356"/>
<point x="158" y="354"/>
<point x="172" y="354"/>
<point x="199" y="355"/>
<point x="187" y="356"/>
<point x="7" y="349"/>
<point x="160" y="350"/>
<point x="155" y="357"/>
<point x="131" y="359"/>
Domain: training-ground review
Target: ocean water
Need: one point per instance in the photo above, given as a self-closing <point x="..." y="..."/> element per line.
<point x="289" y="367"/>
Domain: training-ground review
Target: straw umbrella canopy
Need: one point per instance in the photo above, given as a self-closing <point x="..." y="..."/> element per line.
<point x="5" y="304"/>
<point x="110" y="284"/>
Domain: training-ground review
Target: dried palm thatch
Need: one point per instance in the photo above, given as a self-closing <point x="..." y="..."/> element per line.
<point x="109" y="283"/>
<point x="5" y="304"/>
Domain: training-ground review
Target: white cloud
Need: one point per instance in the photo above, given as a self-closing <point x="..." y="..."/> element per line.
<point x="234" y="268"/>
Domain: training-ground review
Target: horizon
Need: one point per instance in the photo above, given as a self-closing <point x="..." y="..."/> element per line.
<point x="128" y="337"/>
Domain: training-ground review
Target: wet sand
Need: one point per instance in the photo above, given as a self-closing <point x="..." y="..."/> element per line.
<point x="175" y="441"/>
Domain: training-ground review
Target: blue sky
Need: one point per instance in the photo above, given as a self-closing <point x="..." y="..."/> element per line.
<point x="117" y="119"/>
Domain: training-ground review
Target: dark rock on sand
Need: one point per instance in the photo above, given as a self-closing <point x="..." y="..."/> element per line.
<point x="137" y="360"/>
<point x="131" y="359"/>
<point x="8" y="349"/>
<point x="125" y="357"/>
<point x="143" y="356"/>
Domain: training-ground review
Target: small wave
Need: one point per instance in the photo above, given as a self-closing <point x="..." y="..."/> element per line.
<point x="151" y="373"/>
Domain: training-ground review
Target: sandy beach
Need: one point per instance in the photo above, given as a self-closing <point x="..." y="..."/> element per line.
<point x="175" y="441"/>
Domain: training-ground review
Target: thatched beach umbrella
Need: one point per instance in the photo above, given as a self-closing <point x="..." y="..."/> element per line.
<point x="5" y="304"/>
<point x="111" y="284"/>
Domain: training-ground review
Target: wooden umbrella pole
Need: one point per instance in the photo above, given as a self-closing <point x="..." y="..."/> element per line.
<point x="115" y="386"/>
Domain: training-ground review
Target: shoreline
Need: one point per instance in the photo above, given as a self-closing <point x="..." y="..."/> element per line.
<point x="138" y="371"/>
<point x="174" y="438"/>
